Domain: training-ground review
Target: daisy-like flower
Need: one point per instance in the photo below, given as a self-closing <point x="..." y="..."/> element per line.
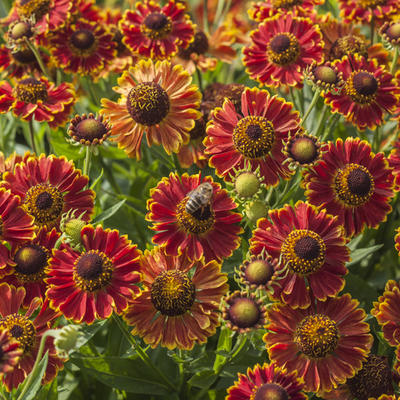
<point x="48" y="187"/>
<point x="364" y="11"/>
<point x="16" y="226"/>
<point x="394" y="162"/>
<point x="27" y="331"/>
<point x="255" y="134"/>
<point x="390" y="32"/>
<point x="281" y="48"/>
<point x="83" y="47"/>
<point x="10" y="352"/>
<point x="211" y="231"/>
<point x="28" y="263"/>
<point x="369" y="91"/>
<point x="38" y="99"/>
<point x="267" y="382"/>
<point x="262" y="10"/>
<point x="92" y="284"/>
<point x="157" y="99"/>
<point x="89" y="130"/>
<point x="155" y="32"/>
<point x="19" y="31"/>
<point x="353" y="183"/>
<point x="325" y="343"/>
<point x="311" y="245"/>
<point x="179" y="306"/>
<point x="387" y="309"/>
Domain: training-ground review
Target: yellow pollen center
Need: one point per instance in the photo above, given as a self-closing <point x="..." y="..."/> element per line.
<point x="287" y="4"/>
<point x="30" y="91"/>
<point x="31" y="261"/>
<point x="37" y="8"/>
<point x="21" y="329"/>
<point x="283" y="49"/>
<point x="371" y="3"/>
<point x="362" y="87"/>
<point x="156" y="26"/>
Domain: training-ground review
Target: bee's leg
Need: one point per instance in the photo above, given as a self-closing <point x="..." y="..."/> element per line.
<point x="202" y="208"/>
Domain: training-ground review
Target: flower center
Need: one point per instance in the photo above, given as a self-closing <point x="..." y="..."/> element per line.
<point x="197" y="223"/>
<point x="254" y="136"/>
<point x="259" y="272"/>
<point x="37" y="8"/>
<point x="270" y="391"/>
<point x="30" y="91"/>
<point x="90" y="129"/>
<point x="362" y="87"/>
<point x="354" y="185"/>
<point x="304" y="150"/>
<point x="21" y="329"/>
<point x="199" y="129"/>
<point x="247" y="184"/>
<point x="31" y="260"/>
<point x="304" y="251"/>
<point x="347" y="45"/>
<point x="173" y="293"/>
<point x="198" y="46"/>
<point x="83" y="43"/>
<point x="316" y="336"/>
<point x="24" y="57"/>
<point x="393" y="32"/>
<point x="21" y="29"/>
<point x="371" y="3"/>
<point x="45" y="203"/>
<point x="287" y="4"/>
<point x="283" y="49"/>
<point x="156" y="26"/>
<point x="93" y="271"/>
<point x="326" y="74"/>
<point x="244" y="312"/>
<point x="148" y="103"/>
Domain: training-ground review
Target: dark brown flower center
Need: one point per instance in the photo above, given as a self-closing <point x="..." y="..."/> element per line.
<point x="156" y="26"/>
<point x="244" y="312"/>
<point x="354" y="185"/>
<point x="30" y="91"/>
<point x="45" y="203"/>
<point x="271" y="391"/>
<point x="303" y="149"/>
<point x="20" y="29"/>
<point x="199" y="129"/>
<point x="304" y="251"/>
<point x="348" y="45"/>
<point x="93" y="271"/>
<point x="316" y="336"/>
<point x="173" y="293"/>
<point x="24" y="56"/>
<point x="31" y="260"/>
<point x="362" y="87"/>
<point x="36" y="8"/>
<point x="198" y="46"/>
<point x="148" y="103"/>
<point x="82" y="39"/>
<point x="254" y="136"/>
<point x="90" y="129"/>
<point x="20" y="329"/>
<point x="283" y="49"/>
<point x="259" y="272"/>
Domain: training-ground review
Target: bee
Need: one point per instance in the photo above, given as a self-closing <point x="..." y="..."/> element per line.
<point x="199" y="198"/>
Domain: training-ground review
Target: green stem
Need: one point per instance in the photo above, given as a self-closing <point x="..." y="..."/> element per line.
<point x="311" y="105"/>
<point x="86" y="163"/>
<point x="32" y="136"/>
<point x="335" y="119"/>
<point x="200" y="79"/>
<point x="321" y="121"/>
<point x="372" y="31"/>
<point x="141" y="353"/>
<point x="394" y="62"/>
<point x="35" y="366"/>
<point x="377" y="140"/>
<point x="36" y="53"/>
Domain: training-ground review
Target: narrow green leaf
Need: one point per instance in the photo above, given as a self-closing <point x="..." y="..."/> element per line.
<point x="36" y="382"/>
<point x="224" y="345"/>
<point x="97" y="179"/>
<point x="360" y="254"/>
<point x="108" y="213"/>
<point x="203" y="379"/>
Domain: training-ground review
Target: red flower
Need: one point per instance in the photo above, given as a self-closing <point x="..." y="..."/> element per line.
<point x="281" y="48"/>
<point x="212" y="232"/>
<point x="38" y="99"/>
<point x="369" y="91"/>
<point x="325" y="343"/>
<point x="311" y="245"/>
<point x="353" y="183"/>
<point x="256" y="135"/>
<point x="10" y="352"/>
<point x="48" y="187"/>
<point x="103" y="278"/>
<point x="364" y="11"/>
<point x="28" y="333"/>
<point x="180" y="304"/>
<point x="156" y="32"/>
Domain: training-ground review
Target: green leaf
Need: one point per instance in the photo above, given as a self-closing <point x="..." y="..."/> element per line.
<point x="48" y="392"/>
<point x="63" y="148"/>
<point x="97" y="179"/>
<point x="360" y="254"/>
<point x="203" y="379"/>
<point x="360" y="289"/>
<point x="108" y="213"/>
<point x="36" y="382"/>
<point x="224" y="345"/>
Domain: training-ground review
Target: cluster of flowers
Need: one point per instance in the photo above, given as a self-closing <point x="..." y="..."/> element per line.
<point x="56" y="266"/>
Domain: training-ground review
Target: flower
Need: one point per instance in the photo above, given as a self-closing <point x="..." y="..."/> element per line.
<point x="16" y="226"/>
<point x="325" y="343"/>
<point x="27" y="331"/>
<point x="212" y="232"/>
<point x="368" y="92"/>
<point x="255" y="135"/>
<point x="267" y="382"/>
<point x="38" y="99"/>
<point x="353" y="183"/>
<point x="19" y="31"/>
<point x="28" y="263"/>
<point x="92" y="284"/>
<point x="156" y="32"/>
<point x="387" y="310"/>
<point x="157" y="99"/>
<point x="89" y="130"/>
<point x="8" y="164"/>
<point x="10" y="352"/>
<point x="179" y="305"/>
<point x="390" y="32"/>
<point x="48" y="187"/>
<point x="324" y="77"/>
<point x="83" y="47"/>
<point x="281" y="48"/>
<point x="394" y="162"/>
<point x="311" y="245"/>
